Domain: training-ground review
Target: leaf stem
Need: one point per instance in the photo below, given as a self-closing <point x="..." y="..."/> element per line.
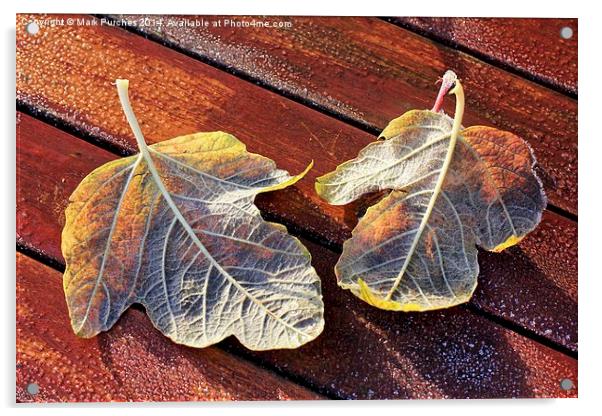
<point x="122" y="90"/>
<point x="458" y="91"/>
<point x="448" y="81"/>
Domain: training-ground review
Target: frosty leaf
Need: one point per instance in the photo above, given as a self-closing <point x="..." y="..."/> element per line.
<point x="175" y="229"/>
<point x="452" y="189"/>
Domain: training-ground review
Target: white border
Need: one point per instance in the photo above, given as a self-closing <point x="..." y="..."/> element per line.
<point x="590" y="232"/>
<point x="506" y="8"/>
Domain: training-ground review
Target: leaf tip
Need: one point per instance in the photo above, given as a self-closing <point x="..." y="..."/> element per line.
<point x="81" y="330"/>
<point x="308" y="168"/>
<point x="290" y="181"/>
<point x="299" y="176"/>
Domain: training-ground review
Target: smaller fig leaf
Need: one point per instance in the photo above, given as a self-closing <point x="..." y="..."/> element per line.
<point x="453" y="189"/>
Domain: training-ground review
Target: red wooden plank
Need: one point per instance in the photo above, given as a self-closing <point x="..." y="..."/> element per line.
<point x="531" y="46"/>
<point x="364" y="352"/>
<point x="373" y="67"/>
<point x="371" y="71"/>
<point x="132" y="362"/>
<point x="42" y="197"/>
<point x="533" y="284"/>
<point x="68" y="74"/>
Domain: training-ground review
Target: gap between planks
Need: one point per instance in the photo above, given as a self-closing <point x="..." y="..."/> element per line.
<point x="481" y="56"/>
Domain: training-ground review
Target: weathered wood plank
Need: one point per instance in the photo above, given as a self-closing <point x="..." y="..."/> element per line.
<point x="363" y="352"/>
<point x="132" y="362"/>
<point x="373" y="68"/>
<point x="371" y="71"/>
<point x="531" y="46"/>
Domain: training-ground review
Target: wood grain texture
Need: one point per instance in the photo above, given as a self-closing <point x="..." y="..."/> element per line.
<point x="368" y="353"/>
<point x="373" y="68"/>
<point x="530" y="46"/>
<point x="363" y="352"/>
<point x="132" y="362"/>
<point x="68" y="74"/>
<point x="370" y="71"/>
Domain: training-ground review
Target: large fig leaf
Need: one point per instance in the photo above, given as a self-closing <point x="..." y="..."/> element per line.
<point x="452" y="189"/>
<point x="174" y="228"/>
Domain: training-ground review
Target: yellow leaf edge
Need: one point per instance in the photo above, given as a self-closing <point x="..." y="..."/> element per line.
<point x="510" y="241"/>
<point x="289" y="182"/>
<point x="394" y="126"/>
<point x="239" y="146"/>
<point x="69" y="231"/>
<point x="363" y="291"/>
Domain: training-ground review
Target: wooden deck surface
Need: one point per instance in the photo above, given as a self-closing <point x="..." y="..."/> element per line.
<point x="319" y="90"/>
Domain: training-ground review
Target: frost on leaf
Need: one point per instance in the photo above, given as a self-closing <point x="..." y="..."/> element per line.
<point x="174" y="228"/>
<point x="452" y="189"/>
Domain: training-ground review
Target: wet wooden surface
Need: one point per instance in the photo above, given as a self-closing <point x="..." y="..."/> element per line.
<point x="517" y="337"/>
